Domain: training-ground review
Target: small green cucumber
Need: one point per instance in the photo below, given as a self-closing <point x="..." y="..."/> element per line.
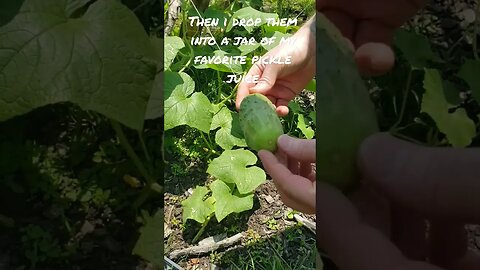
<point x="260" y="123"/>
<point x="346" y="115"/>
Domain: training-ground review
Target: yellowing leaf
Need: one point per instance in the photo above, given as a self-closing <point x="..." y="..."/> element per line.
<point x="458" y="128"/>
<point x="132" y="181"/>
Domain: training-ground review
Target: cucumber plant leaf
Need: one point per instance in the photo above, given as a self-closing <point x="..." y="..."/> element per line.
<point x="195" y="207"/>
<point x="155" y="103"/>
<point x="172" y="47"/>
<point x="250" y="13"/>
<point x="232" y="167"/>
<point x="233" y="67"/>
<point x="230" y="133"/>
<point x="248" y="48"/>
<point x="416" y="48"/>
<point x="150" y="242"/>
<point x="47" y="57"/>
<point x="278" y="39"/>
<point x="458" y="128"/>
<point x="295" y="107"/>
<point x="214" y="13"/>
<point x="306" y="130"/>
<point x="75" y="5"/>
<point x="181" y="106"/>
<point x="226" y="202"/>
<point x="313" y="116"/>
<point x="312" y="86"/>
<point x="452" y="95"/>
<point x="469" y="72"/>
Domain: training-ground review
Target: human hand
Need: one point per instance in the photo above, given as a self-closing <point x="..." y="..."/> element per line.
<point x="292" y="172"/>
<point x="383" y="225"/>
<point x="282" y="82"/>
<point x="369" y="25"/>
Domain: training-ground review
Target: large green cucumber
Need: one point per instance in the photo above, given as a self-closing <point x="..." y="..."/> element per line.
<point x="260" y="123"/>
<point x="346" y="115"/>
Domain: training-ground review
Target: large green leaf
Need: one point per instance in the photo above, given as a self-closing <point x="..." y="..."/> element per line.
<point x="74" y="6"/>
<point x="230" y="133"/>
<point x="172" y="46"/>
<point x="304" y="128"/>
<point x="150" y="244"/>
<point x="232" y="167"/>
<point x="470" y="72"/>
<point x="195" y="207"/>
<point x="248" y="48"/>
<point x="231" y="68"/>
<point x="181" y="106"/>
<point x="278" y="38"/>
<point x="416" y="48"/>
<point x="458" y="128"/>
<point x="251" y="13"/>
<point x="155" y="103"/>
<point x="102" y="61"/>
<point x="226" y="202"/>
<point x="214" y="13"/>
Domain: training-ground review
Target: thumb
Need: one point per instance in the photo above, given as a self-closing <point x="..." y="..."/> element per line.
<point x="436" y="182"/>
<point x="300" y="149"/>
<point x="267" y="80"/>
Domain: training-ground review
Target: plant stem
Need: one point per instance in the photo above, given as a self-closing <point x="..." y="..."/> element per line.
<point x="404" y="101"/>
<point x="280" y="8"/>
<point x="147" y="190"/>
<point x="202" y="229"/>
<point x="406" y="138"/>
<point x="219" y="89"/>
<point x="144" y="147"/>
<point x="192" y="53"/>
<point x="130" y="152"/>
<point x="234" y="91"/>
<point x="207" y="142"/>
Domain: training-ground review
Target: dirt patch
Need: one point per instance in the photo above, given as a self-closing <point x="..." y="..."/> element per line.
<point x="268" y="219"/>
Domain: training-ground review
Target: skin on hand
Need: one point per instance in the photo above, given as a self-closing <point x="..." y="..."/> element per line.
<point x="370" y="25"/>
<point x="281" y="83"/>
<point x="418" y="184"/>
<point x="292" y="172"/>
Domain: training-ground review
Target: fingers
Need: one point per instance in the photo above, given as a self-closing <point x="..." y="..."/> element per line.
<point x="448" y="242"/>
<point x="267" y="79"/>
<point x="470" y="261"/>
<point x="294" y="187"/>
<point x="244" y="86"/>
<point x="436" y="182"/>
<point x="349" y="241"/>
<point x="307" y="209"/>
<point x="408" y="233"/>
<point x="299" y="149"/>
<point x="342" y="21"/>
<point x="372" y="40"/>
<point x="374" y="59"/>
